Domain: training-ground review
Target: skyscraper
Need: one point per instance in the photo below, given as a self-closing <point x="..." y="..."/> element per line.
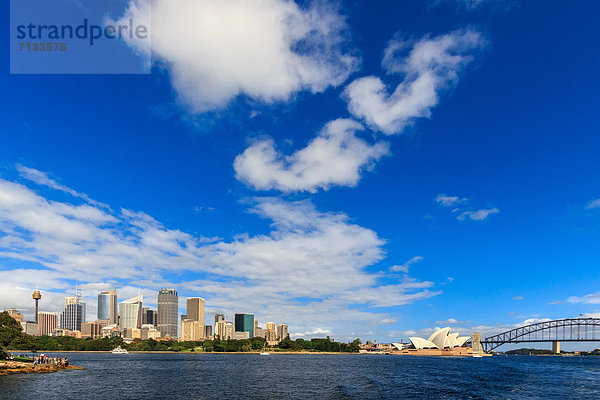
<point x="219" y="317"/>
<point x="47" y="322"/>
<point x="107" y="306"/>
<point x="191" y="330"/>
<point x="149" y="316"/>
<point x="168" y="306"/>
<point x="282" y="331"/>
<point x="131" y="313"/>
<point x="195" y="309"/>
<point x="73" y="315"/>
<point x="244" y="323"/>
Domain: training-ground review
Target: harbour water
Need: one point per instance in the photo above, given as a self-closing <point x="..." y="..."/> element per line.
<point x="243" y="376"/>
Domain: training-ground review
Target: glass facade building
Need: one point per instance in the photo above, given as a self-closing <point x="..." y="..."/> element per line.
<point x="244" y="323"/>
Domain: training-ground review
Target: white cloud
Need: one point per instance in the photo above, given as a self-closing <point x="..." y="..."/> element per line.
<point x="404" y="267"/>
<point x="431" y="66"/>
<point x="42" y="178"/>
<point x="308" y="270"/>
<point x="592" y="298"/>
<point x="449" y="201"/>
<point x="335" y="157"/>
<point x="265" y="49"/>
<point x="478" y="215"/>
<point x="449" y="321"/>
<point x="593" y="204"/>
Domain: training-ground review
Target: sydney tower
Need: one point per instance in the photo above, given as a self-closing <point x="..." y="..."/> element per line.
<point x="36" y="296"/>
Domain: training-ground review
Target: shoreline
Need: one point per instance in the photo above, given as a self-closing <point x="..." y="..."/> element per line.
<point x="181" y="352"/>
<point x="19" y="367"/>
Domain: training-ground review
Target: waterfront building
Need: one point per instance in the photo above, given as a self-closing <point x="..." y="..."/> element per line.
<point x="440" y="339"/>
<point x="73" y="315"/>
<point x="47" y="322"/>
<point x="282" y="331"/>
<point x="107" y="306"/>
<point x="219" y="317"/>
<point x="13" y="312"/>
<point x="244" y="322"/>
<point x="168" y="308"/>
<point x="130" y="312"/>
<point x="192" y="330"/>
<point x="92" y="330"/>
<point x="259" y="332"/>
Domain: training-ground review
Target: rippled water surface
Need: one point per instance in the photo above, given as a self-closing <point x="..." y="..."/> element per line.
<point x="233" y="376"/>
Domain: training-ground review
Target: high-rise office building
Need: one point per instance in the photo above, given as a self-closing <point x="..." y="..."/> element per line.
<point x="130" y="312"/>
<point x="107" y="306"/>
<point x="229" y="330"/>
<point x="207" y="331"/>
<point x="73" y="315"/>
<point x="224" y="330"/>
<point x="92" y="330"/>
<point x="168" y="306"/>
<point x="192" y="330"/>
<point x="282" y="331"/>
<point x="219" y="317"/>
<point x="270" y="326"/>
<point x="47" y="322"/>
<point x="244" y="323"/>
<point x="149" y="316"/>
<point x="195" y="309"/>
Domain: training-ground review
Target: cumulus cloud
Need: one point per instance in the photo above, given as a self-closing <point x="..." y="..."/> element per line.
<point x="309" y="270"/>
<point x="478" y="215"/>
<point x="337" y="156"/>
<point x="267" y="50"/>
<point x="431" y="66"/>
<point x="404" y="267"/>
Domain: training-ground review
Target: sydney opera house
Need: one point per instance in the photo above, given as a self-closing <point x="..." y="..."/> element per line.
<point x="440" y="343"/>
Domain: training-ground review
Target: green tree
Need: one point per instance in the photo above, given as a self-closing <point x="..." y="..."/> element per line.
<point x="10" y="330"/>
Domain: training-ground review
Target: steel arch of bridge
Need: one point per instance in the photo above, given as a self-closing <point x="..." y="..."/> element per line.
<point x="560" y="330"/>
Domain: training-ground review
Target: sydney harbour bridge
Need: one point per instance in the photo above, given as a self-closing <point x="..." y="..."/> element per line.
<point x="557" y="331"/>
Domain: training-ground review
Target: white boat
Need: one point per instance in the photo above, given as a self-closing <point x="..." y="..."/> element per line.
<point x="265" y="353"/>
<point x="119" y="350"/>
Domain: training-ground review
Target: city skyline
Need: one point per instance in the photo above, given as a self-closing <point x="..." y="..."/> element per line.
<point x="136" y="321"/>
<point x="418" y="165"/>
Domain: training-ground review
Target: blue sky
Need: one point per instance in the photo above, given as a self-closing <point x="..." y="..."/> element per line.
<point x="283" y="181"/>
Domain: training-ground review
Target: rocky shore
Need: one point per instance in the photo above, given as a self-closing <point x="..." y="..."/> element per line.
<point x="17" y="367"/>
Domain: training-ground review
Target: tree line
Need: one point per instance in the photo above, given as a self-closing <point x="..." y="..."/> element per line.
<point x="12" y="337"/>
